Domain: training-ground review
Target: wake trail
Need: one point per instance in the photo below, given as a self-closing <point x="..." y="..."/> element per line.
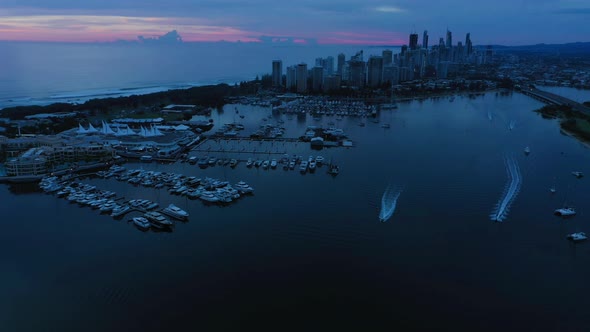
<point x="389" y="203"/>
<point x="511" y="190"/>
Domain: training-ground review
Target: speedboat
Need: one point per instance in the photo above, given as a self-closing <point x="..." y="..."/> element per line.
<point x="175" y="212"/>
<point x="291" y="165"/>
<point x="312" y="165"/>
<point x="141" y="222"/>
<point x="578" y="174"/>
<point x="552" y="190"/>
<point x="249" y="163"/>
<point x="273" y="163"/>
<point x="565" y="212"/>
<point x="577" y="237"/>
<point x="334" y="170"/>
<point x="233" y="163"/>
<point x="319" y="160"/>
<point x="527" y="150"/>
<point x="303" y="166"/>
<point x="265" y="164"/>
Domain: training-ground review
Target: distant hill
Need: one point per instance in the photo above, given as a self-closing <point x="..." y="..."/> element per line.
<point x="569" y="48"/>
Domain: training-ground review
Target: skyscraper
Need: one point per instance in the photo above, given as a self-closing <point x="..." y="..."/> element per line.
<point x="375" y="75"/>
<point x="387" y="57"/>
<point x="425" y="39"/>
<point x="277" y="73"/>
<point x="329" y="66"/>
<point x="413" y="41"/>
<point x="291" y="77"/>
<point x="468" y="45"/>
<point x="341" y="61"/>
<point x="449" y="39"/>
<point x="317" y="78"/>
<point x="302" y="78"/>
<point x="356" y="73"/>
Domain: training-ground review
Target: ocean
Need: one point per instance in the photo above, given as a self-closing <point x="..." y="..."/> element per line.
<point x="308" y="252"/>
<point x="45" y="73"/>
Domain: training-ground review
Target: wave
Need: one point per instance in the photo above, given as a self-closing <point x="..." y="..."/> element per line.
<point x="388" y="203"/>
<point x="511" y="190"/>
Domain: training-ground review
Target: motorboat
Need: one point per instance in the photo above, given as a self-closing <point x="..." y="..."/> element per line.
<point x="386" y="126"/>
<point x="233" y="163"/>
<point x="565" y="212"/>
<point x="319" y="160"/>
<point x="249" y="163"/>
<point x="552" y="190"/>
<point x="273" y="163"/>
<point x="527" y="150"/>
<point x="577" y="237"/>
<point x="158" y="220"/>
<point x="578" y="174"/>
<point x="243" y="187"/>
<point x="312" y="165"/>
<point x="120" y="210"/>
<point x="107" y="207"/>
<point x="334" y="169"/>
<point x="257" y="163"/>
<point x="175" y="212"/>
<point x="141" y="222"/>
<point x="265" y="164"/>
<point x="303" y="166"/>
<point x="209" y="196"/>
<point x="291" y="165"/>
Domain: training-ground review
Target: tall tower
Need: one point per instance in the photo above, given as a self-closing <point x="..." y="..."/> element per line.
<point x="449" y="39"/>
<point x="468" y="45"/>
<point x="277" y="73"/>
<point x="425" y="39"/>
<point x="387" y="57"/>
<point x="413" y="41"/>
<point x="375" y="75"/>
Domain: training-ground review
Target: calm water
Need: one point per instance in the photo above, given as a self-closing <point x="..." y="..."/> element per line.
<point x="39" y="73"/>
<point x="308" y="251"/>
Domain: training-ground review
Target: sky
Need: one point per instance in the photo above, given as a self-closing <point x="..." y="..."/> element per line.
<point x="360" y="22"/>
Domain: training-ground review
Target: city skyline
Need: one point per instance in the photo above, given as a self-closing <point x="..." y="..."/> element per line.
<point x="327" y="22"/>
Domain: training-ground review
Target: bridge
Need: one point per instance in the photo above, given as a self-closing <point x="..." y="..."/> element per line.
<point x="553" y="99"/>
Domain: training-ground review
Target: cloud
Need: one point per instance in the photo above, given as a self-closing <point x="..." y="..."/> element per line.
<point x="390" y="9"/>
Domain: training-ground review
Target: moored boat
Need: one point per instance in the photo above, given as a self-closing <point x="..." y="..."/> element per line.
<point x="577" y="237"/>
<point x="175" y="212"/>
<point x="141" y="222"/>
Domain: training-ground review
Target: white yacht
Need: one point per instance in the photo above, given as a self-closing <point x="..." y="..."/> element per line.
<point x="209" y="196"/>
<point x="578" y="174"/>
<point x="141" y="222"/>
<point x="527" y="150"/>
<point x="273" y="163"/>
<point x="319" y="160"/>
<point x="303" y="166"/>
<point x="243" y="187"/>
<point x="157" y="219"/>
<point x="552" y="190"/>
<point x="175" y="212"/>
<point x="265" y="164"/>
<point x="107" y="207"/>
<point x="565" y="212"/>
<point x="249" y="163"/>
<point x="312" y="165"/>
<point x="577" y="237"/>
<point x="120" y="210"/>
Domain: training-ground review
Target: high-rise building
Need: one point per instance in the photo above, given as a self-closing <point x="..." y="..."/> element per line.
<point x="404" y="49"/>
<point x="391" y="74"/>
<point x="387" y="57"/>
<point x="356" y="73"/>
<point x="449" y="43"/>
<point x="291" y="77"/>
<point x="317" y="78"/>
<point x="375" y="71"/>
<point x="425" y="39"/>
<point x="332" y="83"/>
<point x="468" y="45"/>
<point x="277" y="73"/>
<point x="341" y="61"/>
<point x="413" y="41"/>
<point x="329" y="66"/>
<point x="302" y="78"/>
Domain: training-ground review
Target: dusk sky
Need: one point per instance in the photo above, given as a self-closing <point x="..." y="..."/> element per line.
<point x="372" y="22"/>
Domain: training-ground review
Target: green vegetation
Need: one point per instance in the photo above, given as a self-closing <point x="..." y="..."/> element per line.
<point x="575" y="123"/>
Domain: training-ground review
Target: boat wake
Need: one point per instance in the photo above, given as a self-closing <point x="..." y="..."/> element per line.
<point x="490" y="115"/>
<point x="512" y="125"/>
<point x="388" y="203"/>
<point x="511" y="190"/>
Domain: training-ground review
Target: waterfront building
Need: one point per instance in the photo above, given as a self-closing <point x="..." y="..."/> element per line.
<point x="375" y="71"/>
<point x="341" y="62"/>
<point x="277" y="73"/>
<point x="391" y="74"/>
<point x="387" y="57"/>
<point x="301" y="78"/>
<point x="356" y="71"/>
<point x="332" y="83"/>
<point x="329" y="66"/>
<point x="291" y="82"/>
<point x="317" y="76"/>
